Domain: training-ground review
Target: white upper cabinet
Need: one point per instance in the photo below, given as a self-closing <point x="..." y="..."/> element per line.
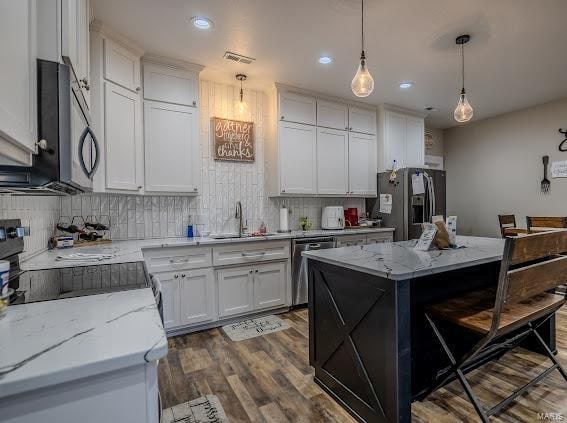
<point x="122" y="138"/>
<point x="332" y="115"/>
<point x="297" y="108"/>
<point x="172" y="156"/>
<point x="297" y="158"/>
<point x="332" y="162"/>
<point x="18" y="98"/>
<point x="121" y="66"/>
<point x="395" y="134"/>
<point x="170" y="85"/>
<point x="75" y="20"/>
<point x="362" y="164"/>
<point x="362" y="120"/>
<point x="415" y="142"/>
<point x="401" y="139"/>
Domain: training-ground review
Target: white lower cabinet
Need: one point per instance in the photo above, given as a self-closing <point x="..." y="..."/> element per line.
<point x="197" y="296"/>
<point x="188" y="297"/>
<point x="170" y="299"/>
<point x="269" y="285"/>
<point x="236" y="287"/>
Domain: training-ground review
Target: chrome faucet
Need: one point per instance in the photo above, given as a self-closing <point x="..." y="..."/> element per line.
<point x="238" y="215"/>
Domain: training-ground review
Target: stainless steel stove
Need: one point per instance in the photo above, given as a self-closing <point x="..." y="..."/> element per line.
<point x="53" y="284"/>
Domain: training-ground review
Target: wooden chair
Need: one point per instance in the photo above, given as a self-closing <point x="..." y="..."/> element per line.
<point x="538" y="224"/>
<point x="521" y="302"/>
<point x="508" y="225"/>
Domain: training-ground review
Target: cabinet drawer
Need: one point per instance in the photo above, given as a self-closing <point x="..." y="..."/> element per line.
<point x="379" y="238"/>
<point x="121" y="66"/>
<point x="250" y="252"/>
<point x="350" y="240"/>
<point x="162" y="83"/>
<point x="177" y="258"/>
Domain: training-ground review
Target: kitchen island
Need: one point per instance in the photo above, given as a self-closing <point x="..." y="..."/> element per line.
<point x="368" y="340"/>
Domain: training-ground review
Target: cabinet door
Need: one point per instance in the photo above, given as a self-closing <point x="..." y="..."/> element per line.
<point x="75" y="39"/>
<point x="332" y="161"/>
<point x="394" y="140"/>
<point x="362" y="120"/>
<point x="297" y="108"/>
<point x="172" y="154"/>
<point x="297" y="156"/>
<point x="18" y="98"/>
<point x="415" y="142"/>
<point x="170" y="299"/>
<point x="235" y="287"/>
<point x="121" y="66"/>
<point x="332" y="115"/>
<point x="196" y="296"/>
<point x="169" y="85"/>
<point x="269" y="286"/>
<point x="122" y="138"/>
<point x="362" y="164"/>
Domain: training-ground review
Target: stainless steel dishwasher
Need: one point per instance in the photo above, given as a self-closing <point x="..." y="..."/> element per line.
<point x="299" y="276"/>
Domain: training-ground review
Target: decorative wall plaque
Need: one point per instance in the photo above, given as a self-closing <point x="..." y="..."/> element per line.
<point x="233" y="140"/>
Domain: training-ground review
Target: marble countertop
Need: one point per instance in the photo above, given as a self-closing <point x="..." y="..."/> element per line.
<point x="399" y="260"/>
<point x="52" y="342"/>
<point x="131" y="250"/>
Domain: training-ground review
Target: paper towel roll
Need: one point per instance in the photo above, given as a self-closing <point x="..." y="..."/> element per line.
<point x="284" y="220"/>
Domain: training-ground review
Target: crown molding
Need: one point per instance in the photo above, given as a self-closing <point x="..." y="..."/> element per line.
<point x="107" y="32"/>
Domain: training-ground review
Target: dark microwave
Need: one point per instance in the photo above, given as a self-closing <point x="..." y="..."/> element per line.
<point x="68" y="153"/>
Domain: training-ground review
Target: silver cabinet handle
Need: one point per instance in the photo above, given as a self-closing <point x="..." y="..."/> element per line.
<point x="178" y="261"/>
<point x="84" y="83"/>
<point x="315" y="245"/>
<point x="282" y="118"/>
<point x="139" y="186"/>
<point x="194" y="188"/>
<point x="283" y="190"/>
<point x="176" y="276"/>
<point x="137" y="89"/>
<point x="251" y="271"/>
<point x="194" y="103"/>
<point x="253" y="255"/>
<point x="183" y="275"/>
<point x="256" y="271"/>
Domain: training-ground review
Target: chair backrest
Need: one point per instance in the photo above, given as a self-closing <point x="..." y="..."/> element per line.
<point x="546" y="222"/>
<point x="531" y="265"/>
<point x="506" y="221"/>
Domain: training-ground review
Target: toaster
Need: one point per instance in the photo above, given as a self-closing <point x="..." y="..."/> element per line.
<point x="333" y="218"/>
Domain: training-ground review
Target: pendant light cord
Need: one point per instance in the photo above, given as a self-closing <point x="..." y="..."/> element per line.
<point x="241" y="92"/>
<point x="463" y="65"/>
<point x="362" y="31"/>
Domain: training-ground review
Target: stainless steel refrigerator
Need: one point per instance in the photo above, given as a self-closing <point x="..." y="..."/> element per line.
<point x="410" y="210"/>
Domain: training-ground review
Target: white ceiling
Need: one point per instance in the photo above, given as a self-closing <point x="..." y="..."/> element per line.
<point x="516" y="57"/>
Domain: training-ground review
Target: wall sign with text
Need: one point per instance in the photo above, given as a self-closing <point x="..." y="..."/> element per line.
<point x="233" y="140"/>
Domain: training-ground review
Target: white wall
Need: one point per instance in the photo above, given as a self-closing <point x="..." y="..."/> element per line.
<point x="223" y="183"/>
<point x="494" y="166"/>
<point x="39" y="213"/>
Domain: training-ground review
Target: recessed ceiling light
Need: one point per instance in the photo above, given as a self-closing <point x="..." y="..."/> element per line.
<point x="201" y="23"/>
<point x="406" y="85"/>
<point x="325" y="60"/>
<point x="431" y="109"/>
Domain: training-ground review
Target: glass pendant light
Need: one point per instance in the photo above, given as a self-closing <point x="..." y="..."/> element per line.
<point x="463" y="111"/>
<point x="362" y="84"/>
<point x="241" y="107"/>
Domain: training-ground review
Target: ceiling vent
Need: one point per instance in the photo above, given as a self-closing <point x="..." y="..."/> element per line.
<point x="229" y="55"/>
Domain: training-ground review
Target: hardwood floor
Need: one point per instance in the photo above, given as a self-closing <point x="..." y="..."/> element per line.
<point x="268" y="379"/>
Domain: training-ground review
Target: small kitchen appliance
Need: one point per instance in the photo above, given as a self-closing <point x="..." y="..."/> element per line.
<point x="351" y="216"/>
<point x="333" y="218"/>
